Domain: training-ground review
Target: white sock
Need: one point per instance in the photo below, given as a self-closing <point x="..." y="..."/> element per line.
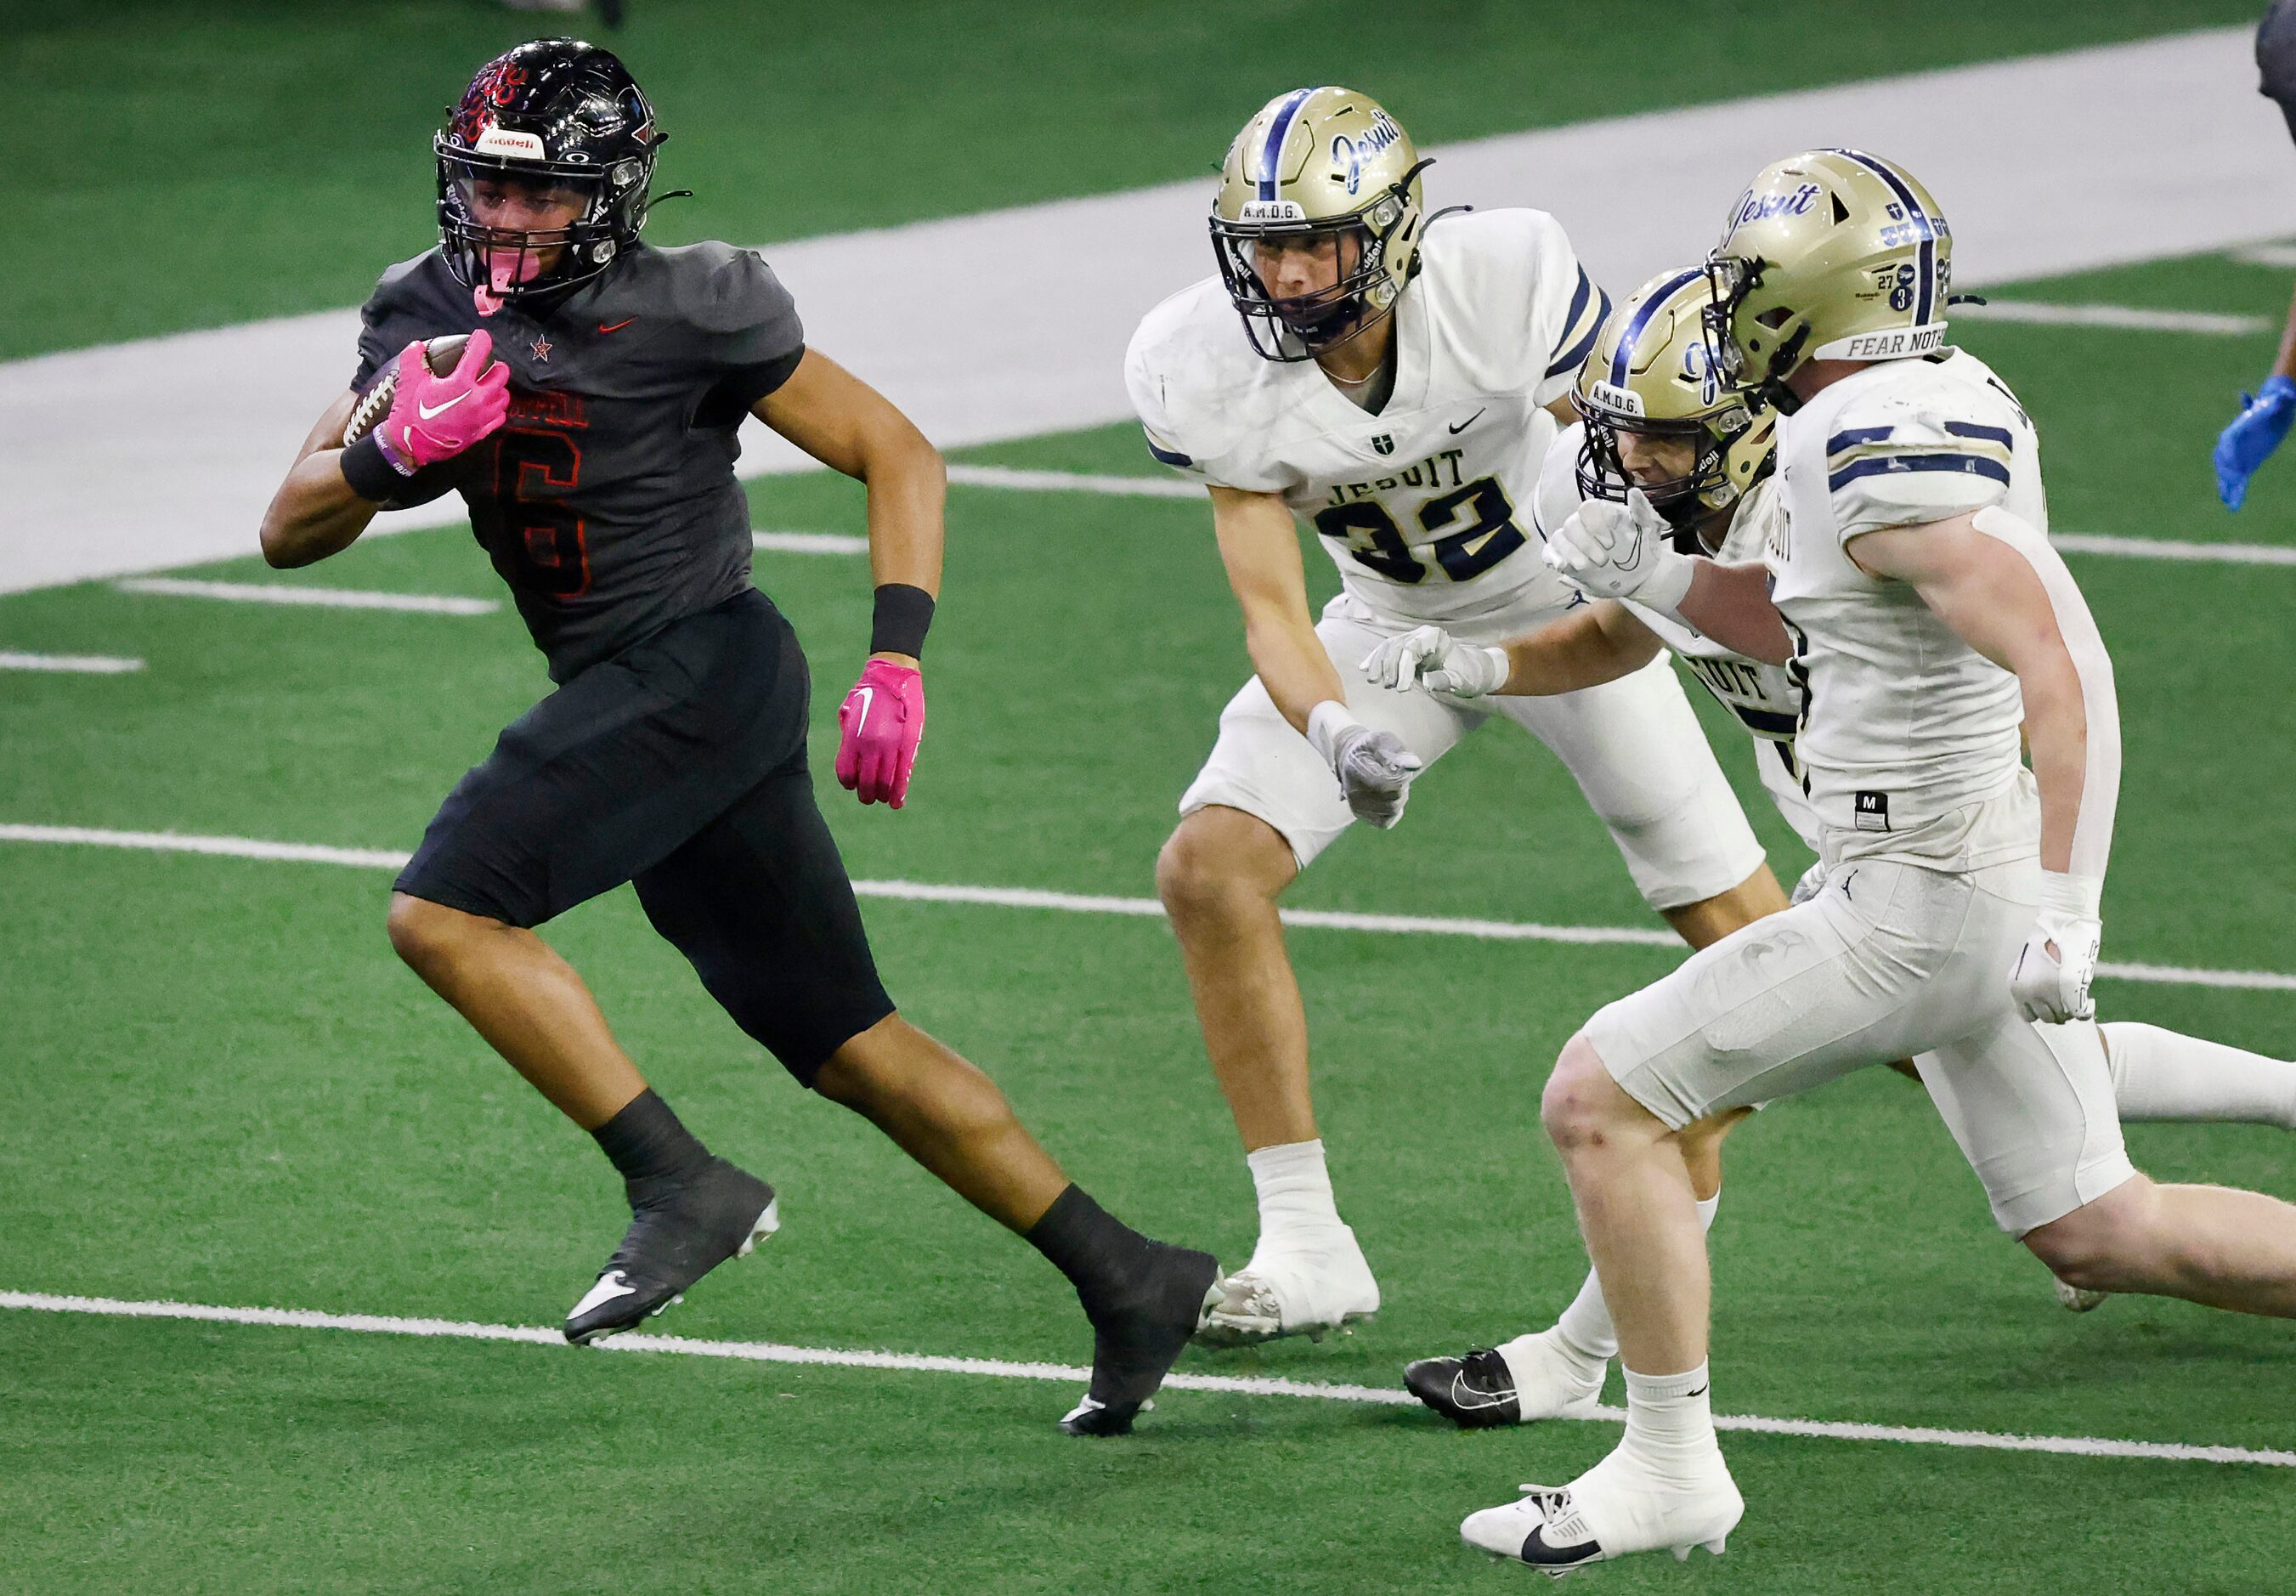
<point x="1585" y="1331"/>
<point x="1670" y="1425"/>
<point x="1295" y="1191"/>
<point x="2162" y="1075"/>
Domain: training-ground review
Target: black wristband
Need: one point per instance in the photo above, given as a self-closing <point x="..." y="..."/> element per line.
<point x="903" y="614"/>
<point x="370" y="473"/>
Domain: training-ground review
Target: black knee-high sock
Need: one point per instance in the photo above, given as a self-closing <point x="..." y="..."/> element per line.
<point x="648" y="1145"/>
<point x="1100" y="1254"/>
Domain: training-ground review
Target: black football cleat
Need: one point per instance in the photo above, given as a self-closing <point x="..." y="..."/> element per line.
<point x="1475" y="1393"/>
<point x="676" y="1237"/>
<point x="1136" y="1339"/>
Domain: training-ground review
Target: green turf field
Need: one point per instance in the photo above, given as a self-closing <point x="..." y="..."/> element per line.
<point x="218" y="1086"/>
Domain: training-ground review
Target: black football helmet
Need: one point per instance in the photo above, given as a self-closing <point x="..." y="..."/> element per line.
<point x="555" y="123"/>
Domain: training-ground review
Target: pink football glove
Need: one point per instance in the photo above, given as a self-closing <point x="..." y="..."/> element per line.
<point x="877" y="727"/>
<point x="434" y="418"/>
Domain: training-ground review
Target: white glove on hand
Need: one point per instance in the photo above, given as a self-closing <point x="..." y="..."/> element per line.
<point x="1373" y="766"/>
<point x="1812" y="882"/>
<point x="1427" y="657"/>
<point x="2051" y="978"/>
<point x="1621" y="551"/>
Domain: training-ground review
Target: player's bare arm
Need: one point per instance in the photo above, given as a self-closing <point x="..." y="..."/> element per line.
<point x="846" y="424"/>
<point x="1595" y="644"/>
<point x="1261" y="553"/>
<point x="316" y="512"/>
<point x="2001" y="598"/>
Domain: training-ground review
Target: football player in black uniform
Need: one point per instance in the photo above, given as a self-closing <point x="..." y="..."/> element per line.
<point x="589" y="424"/>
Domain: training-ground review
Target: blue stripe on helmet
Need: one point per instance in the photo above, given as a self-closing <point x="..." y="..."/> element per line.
<point x="1926" y="255"/>
<point x="1641" y="318"/>
<point x="1976" y="466"/>
<point x="1277" y="131"/>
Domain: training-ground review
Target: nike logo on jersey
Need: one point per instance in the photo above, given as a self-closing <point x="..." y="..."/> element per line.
<point x="617" y="327"/>
<point x="427" y="411"/>
<point x="1471" y="421"/>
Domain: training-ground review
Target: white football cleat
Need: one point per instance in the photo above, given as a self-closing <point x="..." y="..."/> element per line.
<point x="1612" y="1510"/>
<point x="2077" y="1299"/>
<point x="1292" y="1290"/>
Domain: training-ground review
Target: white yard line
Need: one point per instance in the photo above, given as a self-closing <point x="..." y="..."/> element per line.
<point x="331" y="598"/>
<point x="88" y="664"/>
<point x="1015" y="897"/>
<point x="106" y="471"/>
<point x="768" y="1352"/>
<point x="810" y="543"/>
<point x="1075" y="481"/>
<point x="2165" y="548"/>
<point x="2132" y="317"/>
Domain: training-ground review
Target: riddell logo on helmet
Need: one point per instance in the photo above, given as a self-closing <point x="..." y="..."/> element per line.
<point x="502" y="141"/>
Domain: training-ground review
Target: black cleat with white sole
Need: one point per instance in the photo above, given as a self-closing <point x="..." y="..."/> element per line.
<point x="677" y="1235"/>
<point x="1475" y="1392"/>
<point x="1138" y="1337"/>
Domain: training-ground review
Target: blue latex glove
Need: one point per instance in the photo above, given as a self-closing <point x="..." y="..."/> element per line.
<point x="2254" y="434"/>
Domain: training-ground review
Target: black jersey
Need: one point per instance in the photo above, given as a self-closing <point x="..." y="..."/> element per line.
<point x="607" y="500"/>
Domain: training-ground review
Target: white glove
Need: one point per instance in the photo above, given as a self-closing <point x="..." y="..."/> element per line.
<point x="1427" y="657"/>
<point x="1621" y="551"/>
<point x="2051" y="978"/>
<point x="1812" y="882"/>
<point x="1373" y="766"/>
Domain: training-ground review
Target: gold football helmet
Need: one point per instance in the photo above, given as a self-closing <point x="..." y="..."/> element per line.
<point x="1652" y="373"/>
<point x="1831" y="255"/>
<point x="1318" y="168"/>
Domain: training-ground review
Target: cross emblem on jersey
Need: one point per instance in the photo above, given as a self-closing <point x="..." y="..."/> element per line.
<point x="541" y="348"/>
<point x="1384" y="443"/>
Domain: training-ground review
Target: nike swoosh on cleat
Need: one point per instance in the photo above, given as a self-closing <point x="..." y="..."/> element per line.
<point x="428" y="411"/>
<point x="610" y="1285"/>
<point x="1471" y="421"/>
<point x="1461" y="1391"/>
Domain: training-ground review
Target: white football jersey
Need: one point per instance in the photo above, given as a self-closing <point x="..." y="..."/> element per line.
<point x="1765" y="699"/>
<point x="1425" y="506"/>
<point x="1905" y="724"/>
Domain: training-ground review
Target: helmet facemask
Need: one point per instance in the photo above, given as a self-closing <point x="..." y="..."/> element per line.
<point x="1301" y="326"/>
<point x="1760" y="361"/>
<point x="542" y="171"/>
<point x="1688" y="499"/>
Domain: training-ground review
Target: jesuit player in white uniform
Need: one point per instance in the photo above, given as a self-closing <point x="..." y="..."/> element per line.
<point x="1389" y="380"/>
<point x="1657" y="418"/>
<point x="1909" y="589"/>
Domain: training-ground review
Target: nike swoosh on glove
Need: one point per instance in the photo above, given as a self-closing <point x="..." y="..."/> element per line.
<point x="434" y="418"/>
<point x="2050" y="981"/>
<point x="1427" y="657"/>
<point x="1615" y="550"/>
<point x="1374" y="770"/>
<point x="2252" y="436"/>
<point x="879" y="727"/>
